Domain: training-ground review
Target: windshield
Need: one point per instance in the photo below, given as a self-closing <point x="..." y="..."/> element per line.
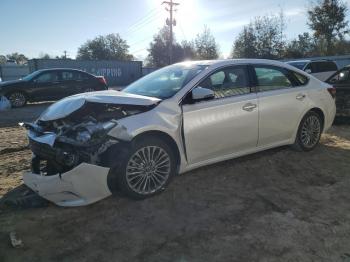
<point x="31" y="76"/>
<point x="165" y="82"/>
<point x="299" y="65"/>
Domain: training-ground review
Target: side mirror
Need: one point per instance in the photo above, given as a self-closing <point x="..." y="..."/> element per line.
<point x="201" y="93"/>
<point x="308" y="71"/>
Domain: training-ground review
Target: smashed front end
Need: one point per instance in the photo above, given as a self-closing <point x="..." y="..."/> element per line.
<point x="73" y="151"/>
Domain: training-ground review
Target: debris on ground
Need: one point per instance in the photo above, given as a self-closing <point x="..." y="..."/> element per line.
<point x="15" y="241"/>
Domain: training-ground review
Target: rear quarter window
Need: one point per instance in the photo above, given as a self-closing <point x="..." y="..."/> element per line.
<point x="320" y="67"/>
<point x="300" y="79"/>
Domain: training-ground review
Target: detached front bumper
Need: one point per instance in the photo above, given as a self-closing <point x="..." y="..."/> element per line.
<point x="82" y="185"/>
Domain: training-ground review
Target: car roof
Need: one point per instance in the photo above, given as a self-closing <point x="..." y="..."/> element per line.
<point x="61" y="69"/>
<point x="298" y="61"/>
<point x="307" y="61"/>
<point x="223" y="62"/>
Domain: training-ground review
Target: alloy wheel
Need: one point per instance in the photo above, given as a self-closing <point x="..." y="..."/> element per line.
<point x="148" y="170"/>
<point x="17" y="99"/>
<point x="310" y="131"/>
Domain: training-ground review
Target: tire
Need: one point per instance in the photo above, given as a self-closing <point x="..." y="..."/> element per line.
<point x="139" y="178"/>
<point x="17" y="99"/>
<point x="309" y="132"/>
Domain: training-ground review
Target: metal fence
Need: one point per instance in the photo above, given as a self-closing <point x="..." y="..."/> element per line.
<point x="117" y="73"/>
<point x="13" y="72"/>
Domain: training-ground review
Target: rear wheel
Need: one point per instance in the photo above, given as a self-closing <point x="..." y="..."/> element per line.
<point x="309" y="132"/>
<point x="17" y="99"/>
<point x="146" y="169"/>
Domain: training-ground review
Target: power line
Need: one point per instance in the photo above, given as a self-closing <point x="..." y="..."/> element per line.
<point x="139" y="50"/>
<point x="140" y="41"/>
<point x="135" y="29"/>
<point x="151" y="14"/>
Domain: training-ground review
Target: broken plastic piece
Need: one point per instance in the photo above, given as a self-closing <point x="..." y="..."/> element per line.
<point x="15" y="242"/>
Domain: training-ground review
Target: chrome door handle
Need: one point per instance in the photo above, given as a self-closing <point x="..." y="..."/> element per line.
<point x="249" y="107"/>
<point x="300" y="96"/>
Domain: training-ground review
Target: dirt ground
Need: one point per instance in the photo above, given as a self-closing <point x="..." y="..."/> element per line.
<point x="278" y="205"/>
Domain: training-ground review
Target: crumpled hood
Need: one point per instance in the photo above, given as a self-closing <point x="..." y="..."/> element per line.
<point x="68" y="105"/>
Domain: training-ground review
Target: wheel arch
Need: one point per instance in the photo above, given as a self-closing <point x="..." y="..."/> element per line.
<point x="9" y="92"/>
<point x="26" y="95"/>
<point x="319" y="112"/>
<point x="165" y="137"/>
<point x="315" y="109"/>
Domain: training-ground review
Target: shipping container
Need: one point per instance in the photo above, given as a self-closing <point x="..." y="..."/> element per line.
<point x="13" y="71"/>
<point x="117" y="73"/>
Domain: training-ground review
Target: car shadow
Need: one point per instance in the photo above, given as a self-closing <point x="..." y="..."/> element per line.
<point x="256" y="170"/>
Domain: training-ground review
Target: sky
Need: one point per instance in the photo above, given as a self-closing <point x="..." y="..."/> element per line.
<point x="34" y="27"/>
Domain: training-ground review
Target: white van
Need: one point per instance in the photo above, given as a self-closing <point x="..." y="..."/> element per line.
<point x="321" y="69"/>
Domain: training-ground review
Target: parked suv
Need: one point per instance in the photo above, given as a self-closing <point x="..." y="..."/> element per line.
<point x="321" y="69"/>
<point x="50" y="84"/>
<point x="341" y="81"/>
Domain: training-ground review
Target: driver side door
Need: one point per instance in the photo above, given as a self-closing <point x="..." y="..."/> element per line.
<point x="225" y="125"/>
<point x="47" y="85"/>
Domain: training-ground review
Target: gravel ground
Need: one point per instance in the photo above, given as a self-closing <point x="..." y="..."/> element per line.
<point x="277" y="205"/>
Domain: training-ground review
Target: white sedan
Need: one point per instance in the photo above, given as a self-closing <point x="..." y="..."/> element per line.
<point x="173" y="120"/>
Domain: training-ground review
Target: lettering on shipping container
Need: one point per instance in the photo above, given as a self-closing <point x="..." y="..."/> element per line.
<point x="108" y="72"/>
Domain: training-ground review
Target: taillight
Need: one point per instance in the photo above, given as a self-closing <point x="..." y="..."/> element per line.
<point x="102" y="80"/>
<point x="332" y="91"/>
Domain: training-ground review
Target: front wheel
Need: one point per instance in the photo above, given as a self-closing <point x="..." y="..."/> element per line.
<point x="17" y="99"/>
<point x="147" y="168"/>
<point x="309" y="132"/>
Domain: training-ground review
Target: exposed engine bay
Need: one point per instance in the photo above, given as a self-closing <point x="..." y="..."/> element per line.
<point x="72" y="143"/>
<point x="80" y="137"/>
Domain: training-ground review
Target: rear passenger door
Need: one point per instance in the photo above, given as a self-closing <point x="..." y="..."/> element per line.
<point x="69" y="83"/>
<point x="282" y="100"/>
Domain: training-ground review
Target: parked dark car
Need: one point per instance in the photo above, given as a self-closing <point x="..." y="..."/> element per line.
<point x="50" y="84"/>
<point x="341" y="81"/>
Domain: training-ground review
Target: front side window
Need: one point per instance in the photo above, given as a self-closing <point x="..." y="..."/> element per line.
<point x="272" y="78"/>
<point x="47" y="77"/>
<point x="165" y="82"/>
<point x="227" y="82"/>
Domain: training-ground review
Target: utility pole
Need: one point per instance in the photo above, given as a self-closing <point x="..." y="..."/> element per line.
<point x="170" y="22"/>
<point x="65" y="54"/>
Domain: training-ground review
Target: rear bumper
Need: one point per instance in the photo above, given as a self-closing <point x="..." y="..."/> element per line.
<point x="83" y="185"/>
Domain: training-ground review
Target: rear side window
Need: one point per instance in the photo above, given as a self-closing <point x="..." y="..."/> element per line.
<point x="319" y="67"/>
<point x="67" y="75"/>
<point x="82" y="76"/>
<point x="301" y="79"/>
<point x="272" y="78"/>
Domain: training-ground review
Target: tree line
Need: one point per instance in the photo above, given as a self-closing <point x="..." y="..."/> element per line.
<point x="263" y="37"/>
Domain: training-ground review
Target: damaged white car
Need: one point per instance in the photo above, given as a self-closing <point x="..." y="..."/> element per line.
<point x="173" y="120"/>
